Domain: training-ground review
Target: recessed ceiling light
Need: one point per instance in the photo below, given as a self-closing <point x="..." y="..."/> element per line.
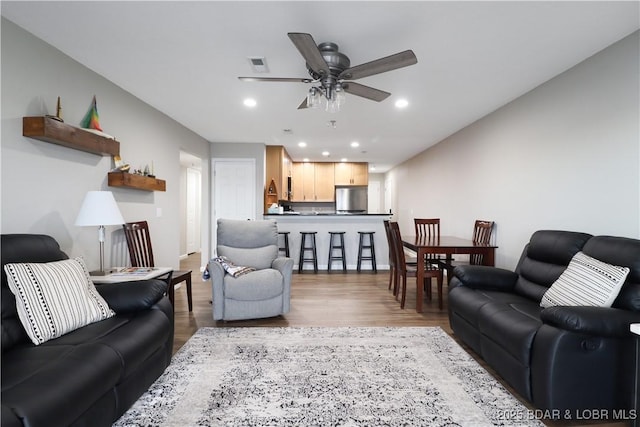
<point x="372" y="168"/>
<point x="401" y="103"/>
<point x="325" y="153"/>
<point x="344" y="159"/>
<point x="305" y="159"/>
<point x="250" y="102"/>
<point x="302" y="144"/>
<point x="355" y="144"/>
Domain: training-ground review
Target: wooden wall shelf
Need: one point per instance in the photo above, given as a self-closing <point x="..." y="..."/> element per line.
<point x="139" y="182"/>
<point x="55" y="132"/>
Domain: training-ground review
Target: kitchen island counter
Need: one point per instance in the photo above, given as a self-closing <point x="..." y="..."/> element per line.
<point x="322" y="223"/>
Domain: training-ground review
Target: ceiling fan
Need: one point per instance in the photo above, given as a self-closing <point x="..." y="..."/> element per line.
<point x="332" y="73"/>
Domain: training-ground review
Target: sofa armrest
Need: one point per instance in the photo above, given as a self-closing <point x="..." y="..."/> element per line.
<point x="125" y="297"/>
<point x="485" y="277"/>
<point x="216" y="271"/>
<point x="285" y="267"/>
<point x="600" y="321"/>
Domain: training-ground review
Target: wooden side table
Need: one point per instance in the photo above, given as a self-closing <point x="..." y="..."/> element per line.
<point x="635" y="328"/>
<point x="129" y="274"/>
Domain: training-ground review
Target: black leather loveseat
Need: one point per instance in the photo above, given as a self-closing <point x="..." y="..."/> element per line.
<point x="92" y="375"/>
<point x="567" y="361"/>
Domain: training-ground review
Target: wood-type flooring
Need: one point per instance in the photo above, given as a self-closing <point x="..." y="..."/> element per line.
<point x="328" y="300"/>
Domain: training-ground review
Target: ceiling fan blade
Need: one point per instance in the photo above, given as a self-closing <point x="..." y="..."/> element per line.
<point x="303" y="105"/>
<point x="275" y="79"/>
<point x="365" y="91"/>
<point x="310" y="52"/>
<point x="388" y="63"/>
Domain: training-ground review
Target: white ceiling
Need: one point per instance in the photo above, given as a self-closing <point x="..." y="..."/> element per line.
<point x="473" y="57"/>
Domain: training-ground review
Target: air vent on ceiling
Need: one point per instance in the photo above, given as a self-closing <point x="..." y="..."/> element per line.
<point x="258" y="64"/>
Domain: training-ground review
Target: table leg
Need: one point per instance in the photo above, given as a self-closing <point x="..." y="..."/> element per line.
<point x="489" y="257"/>
<point x="420" y="279"/>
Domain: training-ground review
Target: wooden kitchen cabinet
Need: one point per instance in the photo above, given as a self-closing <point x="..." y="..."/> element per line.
<point x="324" y="182"/>
<point x="313" y="182"/>
<point x="303" y="182"/>
<point x="351" y="173"/>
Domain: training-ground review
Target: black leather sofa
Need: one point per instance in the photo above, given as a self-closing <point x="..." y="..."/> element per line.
<point x="568" y="361"/>
<point x="91" y="376"/>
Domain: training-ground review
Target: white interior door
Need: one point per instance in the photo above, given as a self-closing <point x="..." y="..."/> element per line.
<point x="234" y="191"/>
<point x="193" y="210"/>
<point x="374" y="197"/>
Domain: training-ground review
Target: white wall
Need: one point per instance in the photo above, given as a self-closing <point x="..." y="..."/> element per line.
<point x="564" y="156"/>
<point x="43" y="184"/>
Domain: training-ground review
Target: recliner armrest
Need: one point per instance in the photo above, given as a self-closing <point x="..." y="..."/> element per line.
<point x="283" y="265"/>
<point x="600" y="321"/>
<point x="485" y="277"/>
<point x="125" y="297"/>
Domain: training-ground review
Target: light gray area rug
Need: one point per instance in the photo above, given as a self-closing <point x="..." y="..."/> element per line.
<point x="325" y="377"/>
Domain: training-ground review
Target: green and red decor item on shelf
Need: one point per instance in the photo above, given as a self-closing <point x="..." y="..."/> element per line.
<point x="91" y="120"/>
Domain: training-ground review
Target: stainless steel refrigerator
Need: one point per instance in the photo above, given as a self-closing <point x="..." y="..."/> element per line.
<point x="351" y="198"/>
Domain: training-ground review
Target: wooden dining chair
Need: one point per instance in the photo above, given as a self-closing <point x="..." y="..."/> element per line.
<point x="481" y="234"/>
<point x="404" y="270"/>
<point x="429" y="228"/>
<point x="393" y="262"/>
<point x="141" y="255"/>
<point x="392" y="257"/>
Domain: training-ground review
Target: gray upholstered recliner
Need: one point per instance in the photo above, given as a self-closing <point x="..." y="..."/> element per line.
<point x="262" y="293"/>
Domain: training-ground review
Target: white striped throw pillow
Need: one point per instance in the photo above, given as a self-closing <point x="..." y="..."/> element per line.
<point x="55" y="298"/>
<point x="586" y="281"/>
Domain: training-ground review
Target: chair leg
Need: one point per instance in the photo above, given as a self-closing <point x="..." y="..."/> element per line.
<point x="404" y="291"/>
<point x="396" y="285"/>
<point x="440" y="291"/>
<point x="427" y="288"/>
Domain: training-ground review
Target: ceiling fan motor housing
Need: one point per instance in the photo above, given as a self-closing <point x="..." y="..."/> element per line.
<point x="336" y="61"/>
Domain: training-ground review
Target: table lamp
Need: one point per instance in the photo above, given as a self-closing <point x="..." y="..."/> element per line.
<point x="99" y="208"/>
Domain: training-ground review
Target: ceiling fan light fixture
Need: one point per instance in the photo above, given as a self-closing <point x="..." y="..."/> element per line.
<point x="334" y="98"/>
<point x="314" y="98"/>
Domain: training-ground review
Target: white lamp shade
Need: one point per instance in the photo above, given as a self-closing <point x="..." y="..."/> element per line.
<point x="99" y="208"/>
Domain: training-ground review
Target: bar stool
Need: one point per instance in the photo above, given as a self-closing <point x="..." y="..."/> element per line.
<point x="339" y="246"/>
<point x="312" y="249"/>
<point x="285" y="248"/>
<point x="370" y="247"/>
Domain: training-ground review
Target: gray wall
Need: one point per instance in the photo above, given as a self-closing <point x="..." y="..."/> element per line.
<point x="43" y="184"/>
<point x="564" y="156"/>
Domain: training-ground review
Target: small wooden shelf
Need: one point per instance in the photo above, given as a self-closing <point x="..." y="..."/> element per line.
<point x="270" y="195"/>
<point x="55" y="132"/>
<point x="139" y="182"/>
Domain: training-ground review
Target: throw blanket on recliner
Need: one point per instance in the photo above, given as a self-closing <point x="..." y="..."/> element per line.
<point x="231" y="268"/>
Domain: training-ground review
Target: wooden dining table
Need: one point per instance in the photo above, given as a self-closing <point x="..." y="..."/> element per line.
<point x="448" y="246"/>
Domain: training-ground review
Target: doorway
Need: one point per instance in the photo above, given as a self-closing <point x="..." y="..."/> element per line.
<point x="190" y="204"/>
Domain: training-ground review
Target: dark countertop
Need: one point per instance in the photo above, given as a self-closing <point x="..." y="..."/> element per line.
<point x="294" y="214"/>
